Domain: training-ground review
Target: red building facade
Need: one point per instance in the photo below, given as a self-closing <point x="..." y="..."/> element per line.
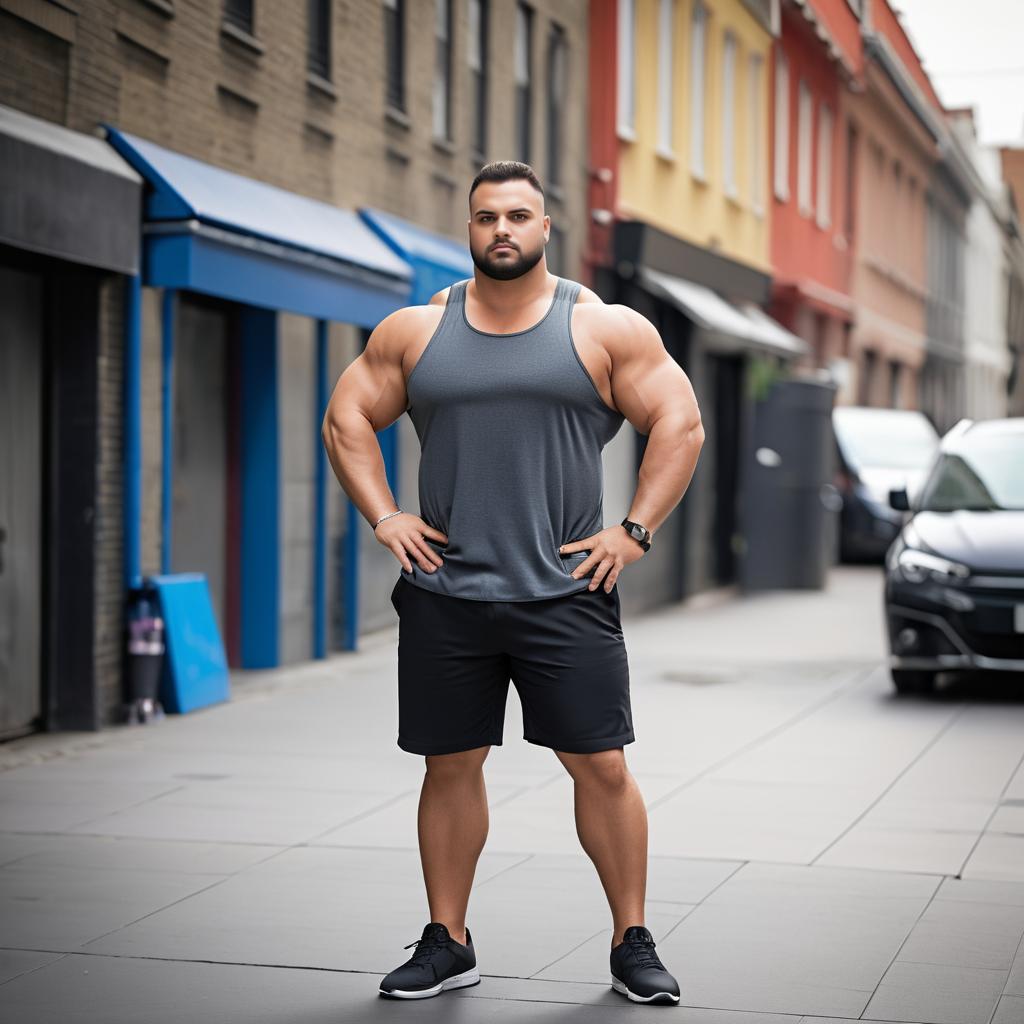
<point x="817" y="57"/>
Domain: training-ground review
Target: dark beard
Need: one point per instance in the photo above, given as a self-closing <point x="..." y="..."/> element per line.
<point x="507" y="270"/>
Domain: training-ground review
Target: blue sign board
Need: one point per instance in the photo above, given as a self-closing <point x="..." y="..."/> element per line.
<point x="195" y="667"/>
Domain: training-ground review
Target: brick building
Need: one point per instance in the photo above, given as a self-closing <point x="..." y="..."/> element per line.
<point x="239" y="118"/>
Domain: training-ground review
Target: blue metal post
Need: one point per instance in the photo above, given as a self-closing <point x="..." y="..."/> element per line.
<point x="320" y="498"/>
<point x="132" y="448"/>
<point x="260" y="604"/>
<point x="167" y="323"/>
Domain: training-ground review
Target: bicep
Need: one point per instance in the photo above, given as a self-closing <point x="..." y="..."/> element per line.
<point x="647" y="383"/>
<point x="372" y="386"/>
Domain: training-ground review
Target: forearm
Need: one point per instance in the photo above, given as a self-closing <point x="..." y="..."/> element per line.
<point x="355" y="457"/>
<point x="673" y="446"/>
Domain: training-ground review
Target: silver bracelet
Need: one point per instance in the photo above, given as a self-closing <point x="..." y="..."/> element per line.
<point x="388" y="516"/>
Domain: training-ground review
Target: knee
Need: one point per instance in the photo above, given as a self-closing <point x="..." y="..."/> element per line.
<point x="605" y="770"/>
<point x="449" y="769"/>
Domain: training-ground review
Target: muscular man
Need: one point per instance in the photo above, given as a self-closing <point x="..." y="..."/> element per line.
<point x="515" y="380"/>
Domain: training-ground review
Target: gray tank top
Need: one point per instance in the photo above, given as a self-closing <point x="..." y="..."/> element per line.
<point x="511" y="428"/>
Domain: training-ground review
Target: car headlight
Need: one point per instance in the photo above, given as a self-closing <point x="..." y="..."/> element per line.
<point x="919" y="567"/>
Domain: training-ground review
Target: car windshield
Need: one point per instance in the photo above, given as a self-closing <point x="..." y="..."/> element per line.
<point x="896" y="440"/>
<point x="985" y="475"/>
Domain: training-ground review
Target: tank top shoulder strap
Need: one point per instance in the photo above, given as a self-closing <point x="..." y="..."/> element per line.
<point x="565" y="299"/>
<point x="457" y="294"/>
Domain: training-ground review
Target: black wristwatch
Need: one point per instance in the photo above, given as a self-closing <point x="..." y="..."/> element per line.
<point x="639" y="533"/>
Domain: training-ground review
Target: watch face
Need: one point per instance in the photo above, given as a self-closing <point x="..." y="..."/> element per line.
<point x="637" y="531"/>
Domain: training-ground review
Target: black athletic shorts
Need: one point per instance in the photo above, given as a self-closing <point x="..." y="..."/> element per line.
<point x="565" y="655"/>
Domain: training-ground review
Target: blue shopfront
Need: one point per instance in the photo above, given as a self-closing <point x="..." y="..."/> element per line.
<point x="250" y="301"/>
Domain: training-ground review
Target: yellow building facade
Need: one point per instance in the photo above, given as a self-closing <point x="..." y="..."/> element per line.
<point x="693" y="123"/>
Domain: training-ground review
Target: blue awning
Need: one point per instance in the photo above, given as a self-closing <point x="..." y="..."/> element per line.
<point x="436" y="261"/>
<point x="212" y="231"/>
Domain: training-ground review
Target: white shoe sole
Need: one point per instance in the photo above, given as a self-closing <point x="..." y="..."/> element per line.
<point x="658" y="997"/>
<point x="464" y="980"/>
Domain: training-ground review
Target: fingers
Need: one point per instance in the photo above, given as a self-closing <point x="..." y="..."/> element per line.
<point x="429" y="531"/>
<point x="600" y="573"/>
<point x="411" y="548"/>
<point x="577" y="545"/>
<point x="423" y="548"/>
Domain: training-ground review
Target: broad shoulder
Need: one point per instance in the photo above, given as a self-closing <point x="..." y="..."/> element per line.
<point x="586" y="297"/>
<point x="614" y="325"/>
<point x="404" y="327"/>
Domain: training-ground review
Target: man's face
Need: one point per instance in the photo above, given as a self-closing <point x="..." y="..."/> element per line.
<point x="507" y="228"/>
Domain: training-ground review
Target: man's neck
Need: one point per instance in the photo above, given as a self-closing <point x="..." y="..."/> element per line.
<point x="505" y="298"/>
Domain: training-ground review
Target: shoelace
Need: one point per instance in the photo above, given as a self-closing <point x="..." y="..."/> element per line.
<point x="425" y="949"/>
<point x="643" y="950"/>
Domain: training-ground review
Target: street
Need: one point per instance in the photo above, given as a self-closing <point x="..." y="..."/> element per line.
<point x="821" y="850"/>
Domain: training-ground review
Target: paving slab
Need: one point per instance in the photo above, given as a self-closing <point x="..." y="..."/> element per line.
<point x="938" y="994"/>
<point x="1010" y="1010"/>
<point x="965" y="934"/>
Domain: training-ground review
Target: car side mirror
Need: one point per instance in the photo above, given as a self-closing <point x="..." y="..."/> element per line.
<point x="899" y="500"/>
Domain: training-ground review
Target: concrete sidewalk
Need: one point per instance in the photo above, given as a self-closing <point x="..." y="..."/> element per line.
<point x="820" y="849"/>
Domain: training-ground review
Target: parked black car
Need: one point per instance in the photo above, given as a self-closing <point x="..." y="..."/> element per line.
<point x="878" y="450"/>
<point x="954" y="584"/>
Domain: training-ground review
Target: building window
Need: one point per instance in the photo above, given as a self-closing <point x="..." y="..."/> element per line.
<point x="896" y="224"/>
<point x="756" y="128"/>
<point x="804" y="157"/>
<point x="554" y="252"/>
<point x="698" y="48"/>
<point x="895" y="388"/>
<point x="851" y="180"/>
<point x="558" y="83"/>
<point x="729" y="115"/>
<point x="523" y="66"/>
<point x="318" y="54"/>
<point x="442" y="69"/>
<point x="824" y="217"/>
<point x="240" y="14"/>
<point x="781" y="127"/>
<point x="479" y="13"/>
<point x="394" y="57"/>
<point x="666" y="74"/>
<point x="866" y="390"/>
<point x="626" y="115"/>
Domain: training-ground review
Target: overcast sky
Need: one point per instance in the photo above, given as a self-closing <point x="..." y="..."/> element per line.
<point x="974" y="55"/>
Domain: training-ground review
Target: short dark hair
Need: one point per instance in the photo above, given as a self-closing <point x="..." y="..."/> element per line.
<point x="506" y="170"/>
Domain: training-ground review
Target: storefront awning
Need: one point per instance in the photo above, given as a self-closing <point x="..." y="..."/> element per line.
<point x="437" y="261"/>
<point x="213" y="231"/>
<point x="743" y="325"/>
<point x="67" y="195"/>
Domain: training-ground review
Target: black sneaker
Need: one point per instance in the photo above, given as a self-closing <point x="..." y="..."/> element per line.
<point x="439" y="963"/>
<point x="638" y="973"/>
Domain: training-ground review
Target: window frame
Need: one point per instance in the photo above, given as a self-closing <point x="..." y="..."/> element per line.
<point x="699" y="19"/>
<point x="523" y="78"/>
<point x="477" y="58"/>
<point x="805" y="150"/>
<point x="558" y="49"/>
<point x="755" y="129"/>
<point x="625" y="87"/>
<point x="319" y="51"/>
<point x="730" y="55"/>
<point x="441" y="85"/>
<point x="395" y="93"/>
<point x="666" y="78"/>
<point x="826" y="138"/>
<point x="782" y="108"/>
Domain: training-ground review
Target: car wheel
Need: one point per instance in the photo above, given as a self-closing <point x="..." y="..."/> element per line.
<point x="913" y="680"/>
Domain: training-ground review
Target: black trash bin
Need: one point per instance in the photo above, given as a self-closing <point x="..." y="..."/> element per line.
<point x="145" y="656"/>
<point x="790" y="506"/>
